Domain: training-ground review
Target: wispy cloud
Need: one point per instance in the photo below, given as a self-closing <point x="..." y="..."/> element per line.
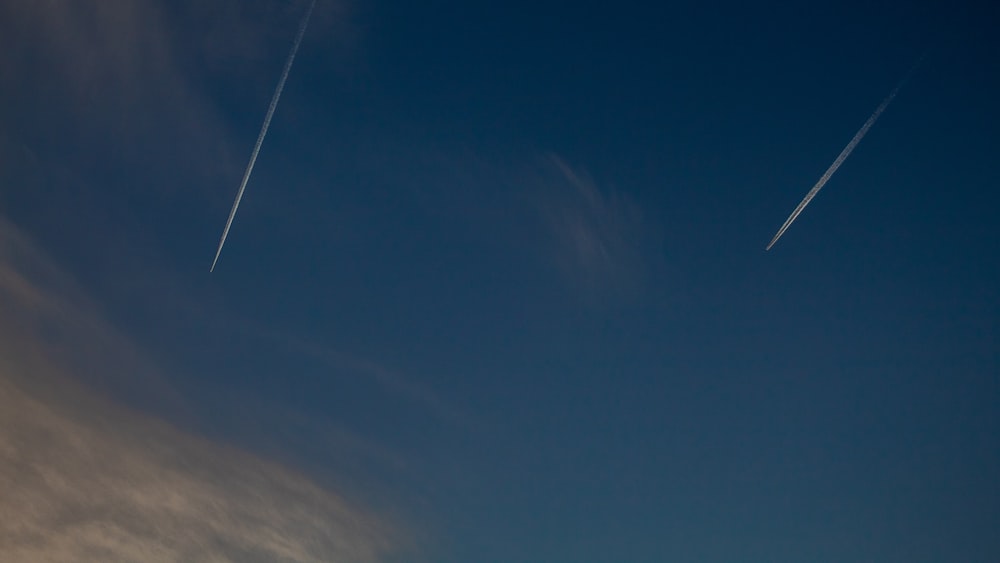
<point x="138" y="81"/>
<point x="103" y="484"/>
<point x="390" y="380"/>
<point x="541" y="208"/>
<point x="46" y="318"/>
<point x="598" y="233"/>
<point x="109" y="64"/>
<point x="85" y="479"/>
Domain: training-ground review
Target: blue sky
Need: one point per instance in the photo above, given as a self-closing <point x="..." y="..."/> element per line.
<point x="497" y="290"/>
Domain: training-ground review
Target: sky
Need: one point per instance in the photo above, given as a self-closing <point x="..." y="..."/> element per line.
<point x="497" y="289"/>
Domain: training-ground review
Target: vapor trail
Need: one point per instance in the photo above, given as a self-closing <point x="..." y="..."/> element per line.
<point x="843" y="155"/>
<point x="263" y="129"/>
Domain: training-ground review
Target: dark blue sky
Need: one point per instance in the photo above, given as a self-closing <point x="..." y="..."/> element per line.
<point x="499" y="274"/>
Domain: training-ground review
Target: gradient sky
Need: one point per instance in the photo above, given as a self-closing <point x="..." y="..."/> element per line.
<point x="497" y="290"/>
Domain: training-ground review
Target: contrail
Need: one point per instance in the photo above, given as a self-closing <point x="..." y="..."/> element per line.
<point x="843" y="155"/>
<point x="263" y="129"/>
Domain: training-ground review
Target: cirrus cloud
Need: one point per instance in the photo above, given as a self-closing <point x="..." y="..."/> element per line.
<point x="87" y="479"/>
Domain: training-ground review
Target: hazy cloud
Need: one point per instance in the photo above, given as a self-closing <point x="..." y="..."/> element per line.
<point x="140" y="81"/>
<point x="111" y="61"/>
<point x="85" y="479"/>
<point x="388" y="379"/>
<point x="108" y="485"/>
<point x="598" y="238"/>
<point x="597" y="233"/>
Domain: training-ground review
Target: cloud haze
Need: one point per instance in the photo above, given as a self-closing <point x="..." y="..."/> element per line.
<point x="596" y="239"/>
<point x="85" y="479"/>
<point x="598" y="234"/>
<point x="140" y="82"/>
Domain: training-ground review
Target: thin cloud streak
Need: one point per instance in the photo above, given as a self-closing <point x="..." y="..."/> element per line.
<point x="263" y="129"/>
<point x="389" y="380"/>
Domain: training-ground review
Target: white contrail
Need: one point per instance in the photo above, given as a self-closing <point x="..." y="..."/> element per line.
<point x="844" y="154"/>
<point x="263" y="129"/>
<point x="833" y="167"/>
